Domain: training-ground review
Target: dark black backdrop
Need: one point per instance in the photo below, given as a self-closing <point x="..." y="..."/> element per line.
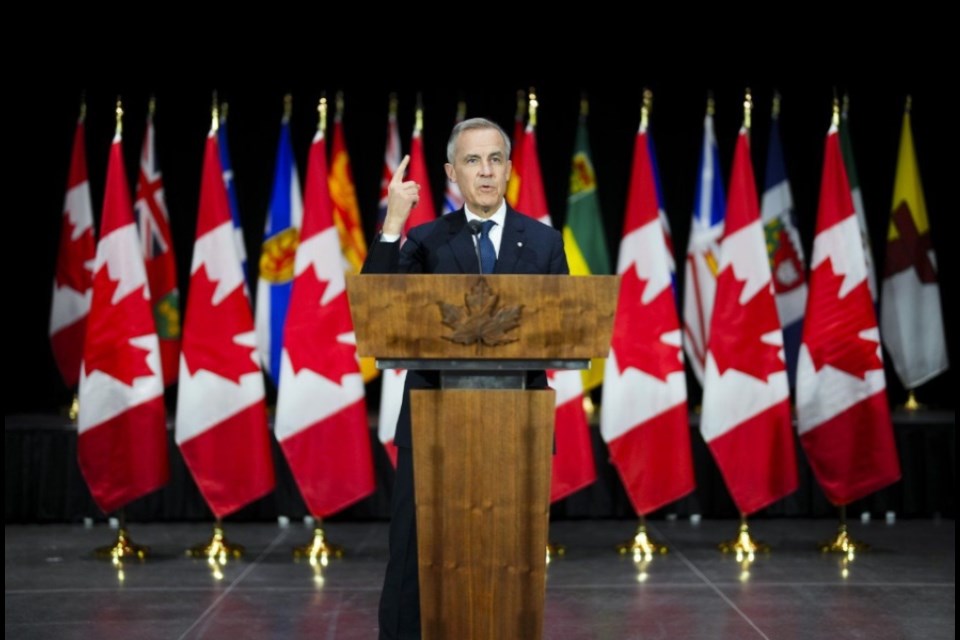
<point x="39" y="158"/>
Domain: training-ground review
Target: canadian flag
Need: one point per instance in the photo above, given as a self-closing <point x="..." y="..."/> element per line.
<point x="842" y="411"/>
<point x="122" y="427"/>
<point x="221" y="413"/>
<point x="73" y="280"/>
<point x="573" y="466"/>
<point x="391" y="399"/>
<point x="746" y="398"/>
<point x="644" y="418"/>
<point x="321" y="420"/>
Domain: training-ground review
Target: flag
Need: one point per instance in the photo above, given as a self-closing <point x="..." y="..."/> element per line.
<point x="346" y="210"/>
<point x="227" y="166"/>
<point x="156" y="242"/>
<point x="321" y="420"/>
<point x="391" y="160"/>
<point x="221" y="412"/>
<point x="452" y="198"/>
<point x="644" y="415"/>
<point x="423" y="211"/>
<point x="583" y="235"/>
<point x="531" y="198"/>
<point x="122" y="425"/>
<point x="391" y="398"/>
<point x="280" y="239"/>
<point x="784" y="249"/>
<point x="73" y="279"/>
<point x="703" y="252"/>
<point x="842" y="412"/>
<point x="911" y="321"/>
<point x="846" y="145"/>
<point x="661" y="207"/>
<point x="746" y="398"/>
<point x="516" y="155"/>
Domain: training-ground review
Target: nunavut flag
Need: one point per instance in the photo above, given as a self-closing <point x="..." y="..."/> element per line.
<point x="73" y="280"/>
<point x="122" y="426"/>
<point x="156" y="240"/>
<point x="221" y="412"/>
<point x="746" y="398"/>
<point x="842" y="411"/>
<point x="321" y="420"/>
<point x="910" y="316"/>
<point x="644" y="415"/>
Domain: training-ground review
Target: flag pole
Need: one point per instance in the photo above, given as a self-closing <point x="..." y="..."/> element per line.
<point x="218" y="550"/>
<point x="319" y="551"/>
<point x="123" y="546"/>
<point x="744" y="545"/>
<point x="842" y="542"/>
<point x="641" y="547"/>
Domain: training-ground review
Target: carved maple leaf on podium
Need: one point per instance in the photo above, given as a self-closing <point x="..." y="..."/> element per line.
<point x="479" y="320"/>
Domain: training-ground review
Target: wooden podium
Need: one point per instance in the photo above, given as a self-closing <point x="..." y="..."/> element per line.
<point x="482" y="442"/>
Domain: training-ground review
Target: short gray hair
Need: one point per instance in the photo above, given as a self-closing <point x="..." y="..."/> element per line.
<point x="468" y="125"/>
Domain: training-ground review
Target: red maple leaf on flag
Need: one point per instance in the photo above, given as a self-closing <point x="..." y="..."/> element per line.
<point x="638" y="329"/>
<point x="835" y="324"/>
<point x="111" y="327"/>
<point x="312" y="330"/>
<point x="737" y="329"/>
<point x="210" y="330"/>
<point x="72" y="250"/>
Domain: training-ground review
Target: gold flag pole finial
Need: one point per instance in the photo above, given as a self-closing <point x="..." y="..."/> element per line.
<point x="775" y="113"/>
<point x="152" y="106"/>
<point x="119" y="131"/>
<point x="461" y="109"/>
<point x="339" y="104"/>
<point x="287" y="107"/>
<point x="711" y="104"/>
<point x="584" y="105"/>
<point x="835" y="121"/>
<point x="418" y="115"/>
<point x="909" y="104"/>
<point x="214" y="113"/>
<point x="521" y="104"/>
<point x="83" y="106"/>
<point x="393" y="105"/>
<point x="747" y="109"/>
<point x="532" y="108"/>
<point x="322" y="113"/>
<point x="645" y="109"/>
<point x="846" y="105"/>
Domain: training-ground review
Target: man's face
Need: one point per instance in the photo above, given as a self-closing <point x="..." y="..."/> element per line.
<point x="481" y="169"/>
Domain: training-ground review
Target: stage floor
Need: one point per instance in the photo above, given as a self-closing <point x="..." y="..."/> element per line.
<point x="904" y="587"/>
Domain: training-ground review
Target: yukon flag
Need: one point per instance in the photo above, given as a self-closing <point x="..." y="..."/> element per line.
<point x="321" y="420"/>
<point x="221" y="413"/>
<point x="911" y="321"/>
<point x="573" y="465"/>
<point x="583" y="236"/>
<point x="424" y="210"/>
<point x="746" y="399"/>
<point x="842" y="412"/>
<point x="783" y="246"/>
<point x="156" y="241"/>
<point x="846" y="144"/>
<point x="280" y="239"/>
<point x="452" y="198"/>
<point x="644" y="415"/>
<point x="73" y="279"/>
<point x="122" y="426"/>
<point x="703" y="251"/>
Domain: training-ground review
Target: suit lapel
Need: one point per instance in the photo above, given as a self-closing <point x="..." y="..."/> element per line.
<point x="511" y="242"/>
<point x="461" y="243"/>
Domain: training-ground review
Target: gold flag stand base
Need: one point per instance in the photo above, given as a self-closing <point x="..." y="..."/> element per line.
<point x="123" y="548"/>
<point x="843" y="543"/>
<point x="319" y="551"/>
<point x="555" y="550"/>
<point x="911" y="404"/>
<point x="74" y="409"/>
<point x="641" y="547"/>
<point x="744" y="545"/>
<point x="218" y="549"/>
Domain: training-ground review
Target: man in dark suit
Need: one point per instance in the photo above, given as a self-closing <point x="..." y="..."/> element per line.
<point x="478" y="160"/>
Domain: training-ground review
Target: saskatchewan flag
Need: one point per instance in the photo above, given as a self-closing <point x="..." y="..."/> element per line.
<point x="583" y="233"/>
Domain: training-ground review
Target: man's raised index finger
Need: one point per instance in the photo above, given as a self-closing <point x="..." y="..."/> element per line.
<point x="401" y="168"/>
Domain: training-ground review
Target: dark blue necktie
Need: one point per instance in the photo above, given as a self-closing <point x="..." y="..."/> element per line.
<point x="488" y="255"/>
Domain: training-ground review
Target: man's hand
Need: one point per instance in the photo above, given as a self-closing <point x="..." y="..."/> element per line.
<point x="402" y="197"/>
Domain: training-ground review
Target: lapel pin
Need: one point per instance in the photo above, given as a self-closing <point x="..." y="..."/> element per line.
<point x="519" y="244"/>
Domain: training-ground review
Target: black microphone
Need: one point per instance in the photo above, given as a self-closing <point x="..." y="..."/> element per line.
<point x="475" y="227"/>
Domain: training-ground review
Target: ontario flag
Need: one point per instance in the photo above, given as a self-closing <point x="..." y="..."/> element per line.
<point x="842" y="411"/>
<point x="391" y="160"/>
<point x="703" y="251"/>
<point x="644" y="415"/>
<point x="280" y="239"/>
<point x="424" y="210"/>
<point x="910" y="315"/>
<point x="321" y="419"/>
<point x="221" y="412"/>
<point x="156" y="241"/>
<point x="746" y="398"/>
<point x="122" y="426"/>
<point x="73" y="279"/>
<point x="784" y="249"/>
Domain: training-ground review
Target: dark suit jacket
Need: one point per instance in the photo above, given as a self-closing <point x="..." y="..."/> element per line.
<point x="445" y="245"/>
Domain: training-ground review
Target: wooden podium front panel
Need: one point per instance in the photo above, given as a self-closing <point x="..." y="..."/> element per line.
<point x="482" y="476"/>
